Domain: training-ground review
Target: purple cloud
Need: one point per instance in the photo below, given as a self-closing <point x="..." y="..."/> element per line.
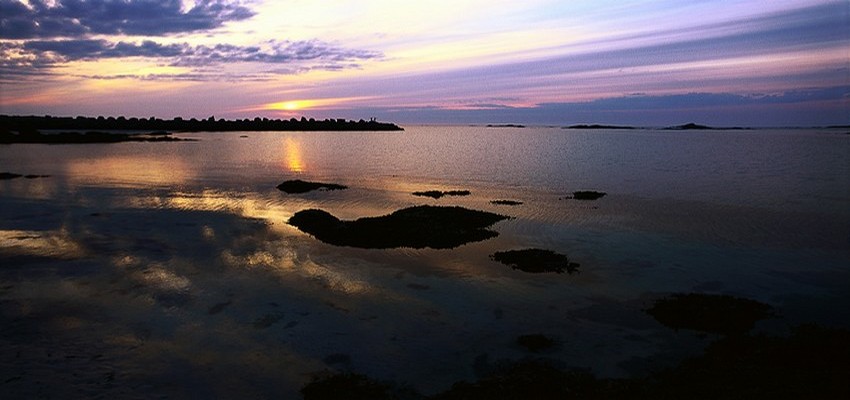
<point x="77" y="18"/>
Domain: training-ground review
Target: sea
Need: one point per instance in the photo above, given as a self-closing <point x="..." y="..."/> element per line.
<point x="139" y="270"/>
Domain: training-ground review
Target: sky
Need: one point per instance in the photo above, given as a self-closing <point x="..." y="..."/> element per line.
<point x="648" y="63"/>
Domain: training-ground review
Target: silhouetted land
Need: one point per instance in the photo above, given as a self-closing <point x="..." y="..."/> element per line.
<point x="535" y="261"/>
<point x="299" y="186"/>
<point x="597" y="126"/>
<point x="505" y="126"/>
<point x="436" y="194"/>
<point x="33" y="136"/>
<point x="29" y="123"/>
<point x="416" y="227"/>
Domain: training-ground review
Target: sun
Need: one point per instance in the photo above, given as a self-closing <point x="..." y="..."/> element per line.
<point x="290" y="106"/>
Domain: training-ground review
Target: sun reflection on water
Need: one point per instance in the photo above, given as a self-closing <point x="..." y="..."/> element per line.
<point x="292" y="155"/>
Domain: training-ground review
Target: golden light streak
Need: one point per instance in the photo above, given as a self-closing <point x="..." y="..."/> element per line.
<point x="131" y="171"/>
<point x="292" y="152"/>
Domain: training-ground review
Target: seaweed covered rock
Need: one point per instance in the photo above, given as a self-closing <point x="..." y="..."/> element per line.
<point x="416" y="227"/>
<point x="536" y="261"/>
<point x="299" y="186"/>
<point x="709" y="312"/>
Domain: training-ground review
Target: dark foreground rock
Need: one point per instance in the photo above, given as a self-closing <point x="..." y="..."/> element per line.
<point x="812" y="363"/>
<point x="535" y="261"/>
<point x="347" y="386"/>
<point x="436" y="194"/>
<point x="416" y="227"/>
<point x="299" y="186"/>
<point x="709" y="313"/>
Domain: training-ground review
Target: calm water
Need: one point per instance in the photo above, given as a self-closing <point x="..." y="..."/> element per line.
<point x="140" y="269"/>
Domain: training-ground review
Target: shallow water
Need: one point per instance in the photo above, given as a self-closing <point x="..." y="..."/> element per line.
<point x="141" y="269"/>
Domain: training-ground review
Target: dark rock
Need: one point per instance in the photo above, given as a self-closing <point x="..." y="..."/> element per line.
<point x="709" y="312"/>
<point x="416" y="227"/>
<point x="299" y="186"/>
<point x="437" y="193"/>
<point x="506" y="202"/>
<point x="587" y="195"/>
<point x="535" y="342"/>
<point x="9" y="175"/>
<point x="535" y="261"/>
<point x="347" y="386"/>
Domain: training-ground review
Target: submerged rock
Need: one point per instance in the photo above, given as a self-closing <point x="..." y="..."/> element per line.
<point x="709" y="312"/>
<point x="416" y="227"/>
<point x="299" y="186"/>
<point x="437" y="193"/>
<point x="536" y="261"/>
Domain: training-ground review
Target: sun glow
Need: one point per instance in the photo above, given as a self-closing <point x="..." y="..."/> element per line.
<point x="306" y="104"/>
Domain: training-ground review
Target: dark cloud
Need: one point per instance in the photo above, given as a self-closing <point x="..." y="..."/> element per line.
<point x="289" y="57"/>
<point x="275" y="52"/>
<point x="76" y="18"/>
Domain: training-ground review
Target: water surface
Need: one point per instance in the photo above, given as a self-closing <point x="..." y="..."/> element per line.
<point x="140" y="269"/>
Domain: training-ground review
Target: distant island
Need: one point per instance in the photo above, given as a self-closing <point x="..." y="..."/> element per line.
<point x="505" y="126"/>
<point x="693" y="126"/>
<point x="597" y="126"/>
<point x="23" y="124"/>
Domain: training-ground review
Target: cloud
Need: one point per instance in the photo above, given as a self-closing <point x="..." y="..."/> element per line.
<point x="285" y="57"/>
<point x="78" y="18"/>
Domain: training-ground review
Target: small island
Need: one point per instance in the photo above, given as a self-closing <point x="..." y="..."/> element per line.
<point x="505" y="126"/>
<point x="697" y="127"/>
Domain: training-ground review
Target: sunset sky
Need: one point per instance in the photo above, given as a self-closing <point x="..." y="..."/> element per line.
<point x="732" y="62"/>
